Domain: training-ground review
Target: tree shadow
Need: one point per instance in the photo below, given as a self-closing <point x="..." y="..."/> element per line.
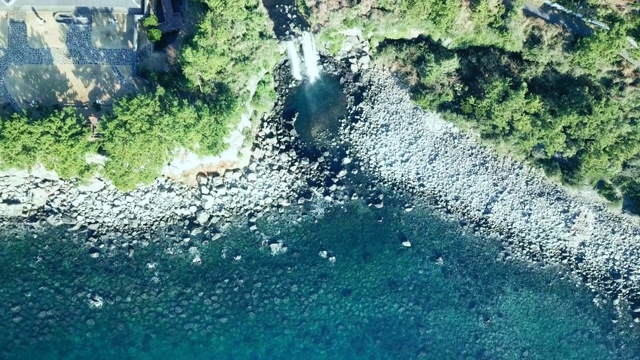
<point x="53" y="87"/>
<point x="29" y="83"/>
<point x="564" y="93"/>
<point x="102" y="82"/>
<point x="628" y="183"/>
<point x="283" y="14"/>
<point x="101" y="61"/>
<point x="630" y="203"/>
<point x="490" y="63"/>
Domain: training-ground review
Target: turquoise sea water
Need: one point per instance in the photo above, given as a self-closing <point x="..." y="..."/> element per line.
<point x="445" y="297"/>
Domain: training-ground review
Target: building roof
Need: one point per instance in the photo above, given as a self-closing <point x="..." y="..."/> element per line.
<point x="53" y="4"/>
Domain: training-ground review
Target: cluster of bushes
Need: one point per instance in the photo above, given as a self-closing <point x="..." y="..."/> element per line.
<point x="151" y="24"/>
<point x="191" y="108"/>
<point x="567" y="103"/>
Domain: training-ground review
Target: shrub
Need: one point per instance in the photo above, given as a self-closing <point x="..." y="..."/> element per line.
<point x="154" y="34"/>
<point x="150" y="22"/>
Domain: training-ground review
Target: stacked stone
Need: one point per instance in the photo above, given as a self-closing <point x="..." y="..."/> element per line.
<point x="409" y="149"/>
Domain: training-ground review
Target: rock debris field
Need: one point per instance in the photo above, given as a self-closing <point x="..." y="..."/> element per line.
<point x="405" y="148"/>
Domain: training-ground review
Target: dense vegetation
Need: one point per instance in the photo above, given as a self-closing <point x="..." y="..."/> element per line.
<point x="562" y="100"/>
<point x="233" y="43"/>
<point x="566" y="102"/>
<point x="59" y="140"/>
<point x="219" y="72"/>
<point x="139" y="149"/>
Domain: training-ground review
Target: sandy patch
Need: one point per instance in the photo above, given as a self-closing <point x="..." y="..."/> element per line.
<point x="50" y="34"/>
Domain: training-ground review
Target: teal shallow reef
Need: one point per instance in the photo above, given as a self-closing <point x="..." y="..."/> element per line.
<point x="444" y="297"/>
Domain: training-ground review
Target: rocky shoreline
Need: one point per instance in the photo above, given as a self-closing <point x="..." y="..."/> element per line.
<point x="536" y="220"/>
<point x="396" y="147"/>
<point x="279" y="175"/>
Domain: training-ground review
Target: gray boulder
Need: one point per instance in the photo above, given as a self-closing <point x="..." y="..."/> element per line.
<point x="11" y="210"/>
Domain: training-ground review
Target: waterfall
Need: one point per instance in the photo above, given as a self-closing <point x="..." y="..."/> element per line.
<point x="294" y="59"/>
<point x="310" y="56"/>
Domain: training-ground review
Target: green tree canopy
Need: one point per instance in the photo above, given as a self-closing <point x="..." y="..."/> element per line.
<point x="58" y="140"/>
<point x="143" y="131"/>
<point x="232" y="44"/>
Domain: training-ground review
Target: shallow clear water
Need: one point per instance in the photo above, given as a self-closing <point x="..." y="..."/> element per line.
<point x="445" y="297"/>
<point x="319" y="106"/>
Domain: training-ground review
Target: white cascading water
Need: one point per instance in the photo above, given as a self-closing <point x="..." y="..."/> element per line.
<point x="294" y="59"/>
<point x="310" y="57"/>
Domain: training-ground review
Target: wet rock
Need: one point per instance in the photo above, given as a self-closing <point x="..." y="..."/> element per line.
<point x="95" y="301"/>
<point x="277" y="248"/>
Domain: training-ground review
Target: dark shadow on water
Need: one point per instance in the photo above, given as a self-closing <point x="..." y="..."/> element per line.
<point x="319" y="108"/>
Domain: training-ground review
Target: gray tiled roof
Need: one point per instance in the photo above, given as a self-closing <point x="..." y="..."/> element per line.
<point x="121" y="4"/>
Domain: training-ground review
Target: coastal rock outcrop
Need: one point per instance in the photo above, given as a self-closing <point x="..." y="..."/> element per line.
<point x="536" y="220"/>
<point x="277" y="176"/>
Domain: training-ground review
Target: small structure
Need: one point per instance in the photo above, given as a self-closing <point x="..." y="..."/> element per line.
<point x="172" y="20"/>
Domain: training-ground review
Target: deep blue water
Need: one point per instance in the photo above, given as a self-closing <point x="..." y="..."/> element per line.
<point x="445" y="297"/>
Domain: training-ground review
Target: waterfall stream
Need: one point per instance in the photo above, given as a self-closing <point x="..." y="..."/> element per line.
<point x="294" y="58"/>
<point x="310" y="57"/>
